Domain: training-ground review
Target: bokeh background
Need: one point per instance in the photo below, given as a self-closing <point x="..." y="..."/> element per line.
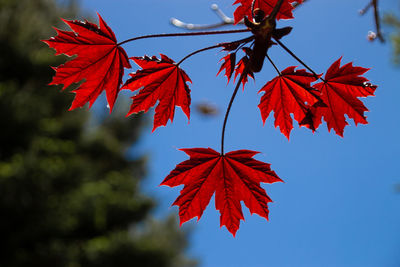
<point x="81" y="188"/>
<point x="69" y="191"/>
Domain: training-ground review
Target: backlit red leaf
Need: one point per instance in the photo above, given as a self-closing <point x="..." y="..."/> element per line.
<point x="99" y="61"/>
<point x="340" y="92"/>
<point x="239" y="68"/>
<point x="159" y="80"/>
<point x="244" y="9"/>
<point x="286" y="94"/>
<point x="228" y="65"/>
<point x="234" y="177"/>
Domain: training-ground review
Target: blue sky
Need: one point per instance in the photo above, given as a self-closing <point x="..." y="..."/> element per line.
<point x="338" y="205"/>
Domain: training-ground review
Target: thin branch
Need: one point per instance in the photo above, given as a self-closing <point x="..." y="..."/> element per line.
<point x="366" y="8"/>
<point x="242" y="42"/>
<point x="377" y="21"/>
<point x="189" y="26"/>
<point x="198" y="51"/>
<point x="299" y="60"/>
<point x="273" y="64"/>
<point x="221" y="14"/>
<point x="181" y="34"/>
<point x="276" y="9"/>
<point x="230" y="106"/>
<point x="252" y="7"/>
<point x="225" y="21"/>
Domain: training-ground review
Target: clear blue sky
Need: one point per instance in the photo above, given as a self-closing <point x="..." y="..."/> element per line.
<point x="338" y="205"/>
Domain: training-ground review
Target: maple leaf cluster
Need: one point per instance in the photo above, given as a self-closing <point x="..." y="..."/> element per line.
<point x="98" y="63"/>
<point x="291" y="93"/>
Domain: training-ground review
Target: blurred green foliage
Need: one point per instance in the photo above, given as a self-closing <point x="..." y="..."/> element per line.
<point x="393" y="21"/>
<point x="69" y="195"/>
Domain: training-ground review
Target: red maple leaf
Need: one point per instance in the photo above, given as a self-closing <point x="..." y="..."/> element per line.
<point x="286" y="94"/>
<point x="234" y="177"/>
<point x="340" y="92"/>
<point x="228" y="65"/>
<point x="239" y="68"/>
<point x="162" y="80"/>
<point x="100" y="61"/>
<point x="244" y="9"/>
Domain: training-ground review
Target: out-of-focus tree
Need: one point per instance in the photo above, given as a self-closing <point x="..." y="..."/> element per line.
<point x="69" y="194"/>
<point x="393" y="20"/>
